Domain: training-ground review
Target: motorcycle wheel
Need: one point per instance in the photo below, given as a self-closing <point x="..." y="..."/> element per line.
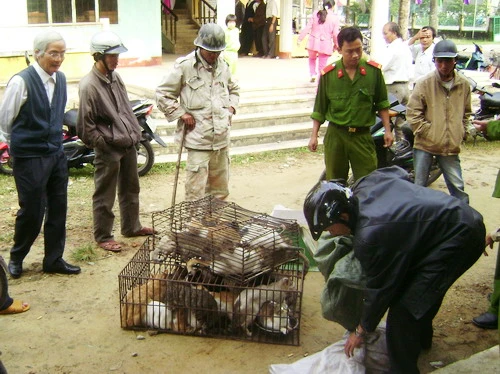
<point x="6" y="167"/>
<point x="434" y="174"/>
<point x="145" y="157"/>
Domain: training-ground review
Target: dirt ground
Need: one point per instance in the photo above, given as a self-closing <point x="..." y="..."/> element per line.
<point x="74" y="323"/>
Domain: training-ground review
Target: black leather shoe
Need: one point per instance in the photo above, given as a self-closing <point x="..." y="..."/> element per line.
<point x="486" y="321"/>
<point x="15" y="269"/>
<point x="62" y="267"/>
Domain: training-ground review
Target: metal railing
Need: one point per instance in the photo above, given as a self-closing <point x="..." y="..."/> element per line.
<point x="203" y="12"/>
<point x="169" y="22"/>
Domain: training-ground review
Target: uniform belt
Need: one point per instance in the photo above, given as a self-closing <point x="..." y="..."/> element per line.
<point x="359" y="130"/>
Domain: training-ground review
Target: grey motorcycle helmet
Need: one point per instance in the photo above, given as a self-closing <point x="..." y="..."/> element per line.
<point x="445" y="49"/>
<point x="324" y="204"/>
<point x="211" y="37"/>
<point x="106" y="43"/>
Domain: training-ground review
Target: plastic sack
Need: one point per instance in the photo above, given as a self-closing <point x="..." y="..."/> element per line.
<point x="371" y="358"/>
<point x="342" y="295"/>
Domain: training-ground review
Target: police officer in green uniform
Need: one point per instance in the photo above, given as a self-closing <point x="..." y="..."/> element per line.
<point x="350" y="92"/>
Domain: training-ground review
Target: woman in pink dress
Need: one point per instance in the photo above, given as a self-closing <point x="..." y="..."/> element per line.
<point x="323" y="28"/>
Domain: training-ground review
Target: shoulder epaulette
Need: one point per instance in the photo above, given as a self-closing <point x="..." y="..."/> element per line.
<point x="327" y="68"/>
<point x="374" y="64"/>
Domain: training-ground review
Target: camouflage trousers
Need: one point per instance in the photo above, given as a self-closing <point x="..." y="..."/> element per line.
<point x="207" y="173"/>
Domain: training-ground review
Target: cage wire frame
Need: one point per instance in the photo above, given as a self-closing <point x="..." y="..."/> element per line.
<point x="260" y="306"/>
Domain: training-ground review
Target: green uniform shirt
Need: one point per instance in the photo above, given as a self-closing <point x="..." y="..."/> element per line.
<point x="350" y="103"/>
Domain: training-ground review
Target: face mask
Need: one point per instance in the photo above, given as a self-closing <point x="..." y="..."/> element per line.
<point x="231" y="25"/>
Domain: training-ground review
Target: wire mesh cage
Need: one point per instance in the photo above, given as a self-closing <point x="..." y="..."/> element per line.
<point x="216" y="269"/>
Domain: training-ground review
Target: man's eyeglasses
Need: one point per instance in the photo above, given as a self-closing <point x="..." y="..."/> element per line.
<point x="55" y="55"/>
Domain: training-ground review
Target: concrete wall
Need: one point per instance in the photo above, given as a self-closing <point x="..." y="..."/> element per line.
<point x="139" y="26"/>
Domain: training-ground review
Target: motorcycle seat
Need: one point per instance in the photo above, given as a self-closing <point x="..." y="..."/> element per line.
<point x="70" y="118"/>
<point x="490" y="101"/>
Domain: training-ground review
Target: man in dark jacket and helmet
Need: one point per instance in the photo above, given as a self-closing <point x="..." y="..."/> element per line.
<point x="412" y="242"/>
<point x="201" y="95"/>
<point x="107" y="123"/>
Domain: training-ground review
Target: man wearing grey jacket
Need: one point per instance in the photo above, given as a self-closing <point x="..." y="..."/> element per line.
<point x="202" y="96"/>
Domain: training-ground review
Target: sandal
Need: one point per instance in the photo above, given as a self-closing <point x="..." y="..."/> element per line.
<point x="145" y="231"/>
<point x="111" y="246"/>
<point x="16" y="307"/>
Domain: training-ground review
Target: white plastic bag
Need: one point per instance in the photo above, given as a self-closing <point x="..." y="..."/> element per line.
<point x="371" y="358"/>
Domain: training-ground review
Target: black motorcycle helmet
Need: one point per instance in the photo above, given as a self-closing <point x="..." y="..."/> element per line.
<point x="445" y="49"/>
<point x="324" y="204"/>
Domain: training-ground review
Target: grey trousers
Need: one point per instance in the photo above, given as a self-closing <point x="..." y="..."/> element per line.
<point x="115" y="169"/>
<point x="269" y="40"/>
<point x="402" y="93"/>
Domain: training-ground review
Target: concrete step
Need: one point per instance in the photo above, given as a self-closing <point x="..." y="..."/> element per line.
<point x="271" y="118"/>
<point x="255" y="103"/>
<point x="187" y="31"/>
<point x="273" y="103"/>
<point x="267" y="118"/>
<point x="250" y="149"/>
<point x="259" y="121"/>
<point x="262" y="137"/>
<point x="269" y="92"/>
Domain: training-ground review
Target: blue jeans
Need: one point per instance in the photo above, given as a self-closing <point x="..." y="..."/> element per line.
<point x="452" y="172"/>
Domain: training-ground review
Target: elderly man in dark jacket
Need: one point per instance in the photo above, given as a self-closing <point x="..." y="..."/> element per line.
<point x="31" y="117"/>
<point x="412" y="243"/>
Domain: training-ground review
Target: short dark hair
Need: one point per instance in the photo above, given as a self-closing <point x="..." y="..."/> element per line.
<point x="432" y="30"/>
<point x="349" y="34"/>
<point x="229" y="18"/>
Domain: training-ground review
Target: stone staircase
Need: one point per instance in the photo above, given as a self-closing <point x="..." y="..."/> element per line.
<point x="187" y="31"/>
<point x="267" y="119"/>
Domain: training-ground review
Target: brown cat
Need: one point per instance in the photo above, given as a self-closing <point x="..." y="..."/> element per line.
<point x="133" y="311"/>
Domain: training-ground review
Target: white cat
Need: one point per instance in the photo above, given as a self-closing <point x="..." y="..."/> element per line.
<point x="158" y="316"/>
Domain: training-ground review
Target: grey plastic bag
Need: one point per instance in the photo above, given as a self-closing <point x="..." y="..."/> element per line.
<point x="342" y="296"/>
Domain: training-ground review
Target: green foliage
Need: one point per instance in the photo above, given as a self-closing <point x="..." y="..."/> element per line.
<point x="86" y="171"/>
<point x="84" y="254"/>
<point x="450" y="12"/>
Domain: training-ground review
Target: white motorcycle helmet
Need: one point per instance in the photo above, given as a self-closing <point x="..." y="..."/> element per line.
<point x="106" y="43"/>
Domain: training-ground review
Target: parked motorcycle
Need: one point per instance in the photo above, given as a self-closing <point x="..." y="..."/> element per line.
<point x="475" y="62"/>
<point x="489" y="106"/>
<point x="489" y="102"/>
<point x="78" y="154"/>
<point x="401" y="152"/>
